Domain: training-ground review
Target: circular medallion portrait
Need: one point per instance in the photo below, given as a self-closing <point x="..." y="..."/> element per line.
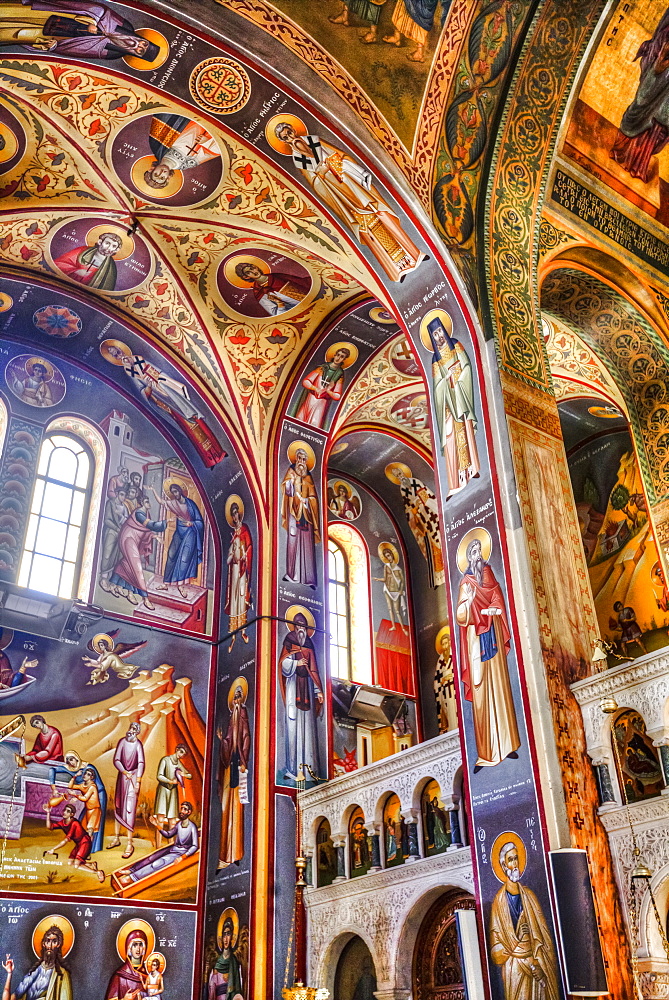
<point x="57" y="321"/>
<point x="12" y="140"/>
<point x="343" y="500"/>
<point x="168" y="159"/>
<point x="260" y="282"/>
<point x="380" y="315"/>
<point x="34" y="380"/>
<point x="100" y="255"/>
<point x="411" y="411"/>
<point x="403" y="360"/>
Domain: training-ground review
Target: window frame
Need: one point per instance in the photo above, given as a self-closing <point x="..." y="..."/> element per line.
<point x="335" y="547"/>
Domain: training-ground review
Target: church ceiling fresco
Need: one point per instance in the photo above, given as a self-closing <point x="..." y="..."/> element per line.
<point x="575" y="367"/>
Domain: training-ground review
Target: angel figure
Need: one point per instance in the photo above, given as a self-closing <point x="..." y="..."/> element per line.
<point x="111" y="656"/>
<point x="342" y="502"/>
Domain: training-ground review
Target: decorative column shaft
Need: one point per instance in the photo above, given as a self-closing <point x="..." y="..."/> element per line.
<point x="340" y="852"/>
<point x="604" y="783"/>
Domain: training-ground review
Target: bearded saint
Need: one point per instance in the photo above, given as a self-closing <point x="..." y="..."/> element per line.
<point x="49" y="979"/>
<point x="303" y="697"/>
<point x="520" y="941"/>
<point x="300" y="518"/>
<point x="485" y="640"/>
<point x="234" y="759"/>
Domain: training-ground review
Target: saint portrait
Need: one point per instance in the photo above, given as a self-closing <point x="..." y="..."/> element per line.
<point x="343" y="500"/>
<point x="166" y="396"/>
<point x="135" y="941"/>
<point x="13" y="142"/>
<point x="422" y="514"/>
<point x="100" y="256"/>
<point x="49" y="979"/>
<point x="228" y="971"/>
<point x="35" y="380"/>
<point x="238" y="597"/>
<point x="234" y="753"/>
<point x="263" y="283"/>
<point x="168" y="158"/>
<point x="79" y="29"/>
<point x="521" y="943"/>
<point x="303" y="694"/>
<point x="485" y="641"/>
<point x="323" y="386"/>
<point x="444" y="682"/>
<point x="453" y="387"/>
<point x="300" y="515"/>
<point x="347" y="188"/>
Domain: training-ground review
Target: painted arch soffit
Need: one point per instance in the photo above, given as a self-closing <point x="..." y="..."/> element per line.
<point x="69" y="119"/>
<point x="575" y="368"/>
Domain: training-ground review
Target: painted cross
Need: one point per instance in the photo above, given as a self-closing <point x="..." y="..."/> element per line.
<point x="305" y="162"/>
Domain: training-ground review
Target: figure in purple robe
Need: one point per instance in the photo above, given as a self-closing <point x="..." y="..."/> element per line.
<point x="129" y="762"/>
<point x="72" y="28"/>
<point x="185" y="843"/>
<point x="130" y="978"/>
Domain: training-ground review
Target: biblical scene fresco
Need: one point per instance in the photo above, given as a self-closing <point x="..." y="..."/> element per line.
<point x="101" y="787"/>
<point x="620" y="123"/>
<point x="631" y="598"/>
<point x="93" y="950"/>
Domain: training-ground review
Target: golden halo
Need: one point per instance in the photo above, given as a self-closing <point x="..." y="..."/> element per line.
<point x="388" y="545"/>
<point x="484" y="538"/>
<point x="350" y="360"/>
<point x="239" y="682"/>
<point x="7" y="634"/>
<point x="295" y="446"/>
<point x="152" y="957"/>
<point x="95" y="642"/>
<point x="232" y="914"/>
<point x="127" y="247"/>
<point x="154" y="36"/>
<point x="427" y="318"/>
<point x="104" y="351"/>
<point x="508" y="837"/>
<point x="39" y="361"/>
<point x="394" y="468"/>
<point x="136" y="924"/>
<point x="139" y="168"/>
<point x="605" y="412"/>
<point x="444" y="630"/>
<point x="175" y="481"/>
<point x="243" y="258"/>
<point x="339" y="447"/>
<point x="296" y="609"/>
<point x="6" y="302"/>
<point x="63" y="925"/>
<point x="340" y="482"/>
<point x="233" y="498"/>
<point x="274" y="141"/>
<point x="11" y="143"/>
<point x="381" y="315"/>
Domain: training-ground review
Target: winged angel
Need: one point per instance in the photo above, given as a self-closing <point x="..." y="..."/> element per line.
<point x="112" y="656"/>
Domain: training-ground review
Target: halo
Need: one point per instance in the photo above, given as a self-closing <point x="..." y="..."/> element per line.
<point x="127" y="247"/>
<point x="296" y="609"/>
<point x="136" y="924"/>
<point x="339" y="447"/>
<point x="139" y="168"/>
<point x="392" y="475"/>
<point x="351" y="359"/>
<point x="427" y="318"/>
<point x="95" y="642"/>
<point x="605" y="412"/>
<point x="154" y="36"/>
<point x="104" y="351"/>
<point x="484" y="538"/>
<point x="507" y="837"/>
<point x="444" y="630"/>
<point x="175" y="481"/>
<point x="6" y="302"/>
<point x="388" y="545"/>
<point x="340" y="482"/>
<point x="64" y="926"/>
<point x="39" y="361"/>
<point x="294" y="446"/>
<point x="11" y="143"/>
<point x="6" y="636"/>
<point x="152" y="957"/>
<point x="239" y="682"/>
<point x="233" y="498"/>
<point x="381" y="315"/>
<point x="274" y="141"/>
<point x="243" y="258"/>
<point x="234" y="917"/>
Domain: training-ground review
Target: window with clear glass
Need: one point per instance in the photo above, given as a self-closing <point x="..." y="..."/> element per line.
<point x="58" y="516"/>
<point x="338" y="611"/>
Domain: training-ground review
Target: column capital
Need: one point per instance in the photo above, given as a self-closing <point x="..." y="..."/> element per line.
<point x="410" y="815"/>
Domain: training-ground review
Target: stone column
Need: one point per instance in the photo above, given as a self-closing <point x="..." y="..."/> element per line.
<point x="309" y="872"/>
<point x="604" y="783"/>
<point x="375" y="839"/>
<point x="452" y="803"/>
<point x="339" y="844"/>
<point x="410" y="817"/>
<point x="393" y="994"/>
<point x="663" y="750"/>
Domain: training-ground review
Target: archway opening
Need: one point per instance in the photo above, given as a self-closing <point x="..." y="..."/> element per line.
<point x="437" y="966"/>
<point x="355" y="978"/>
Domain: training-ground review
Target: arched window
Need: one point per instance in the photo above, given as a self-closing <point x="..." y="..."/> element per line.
<point x="338" y="610"/>
<point x="58" y="517"/>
